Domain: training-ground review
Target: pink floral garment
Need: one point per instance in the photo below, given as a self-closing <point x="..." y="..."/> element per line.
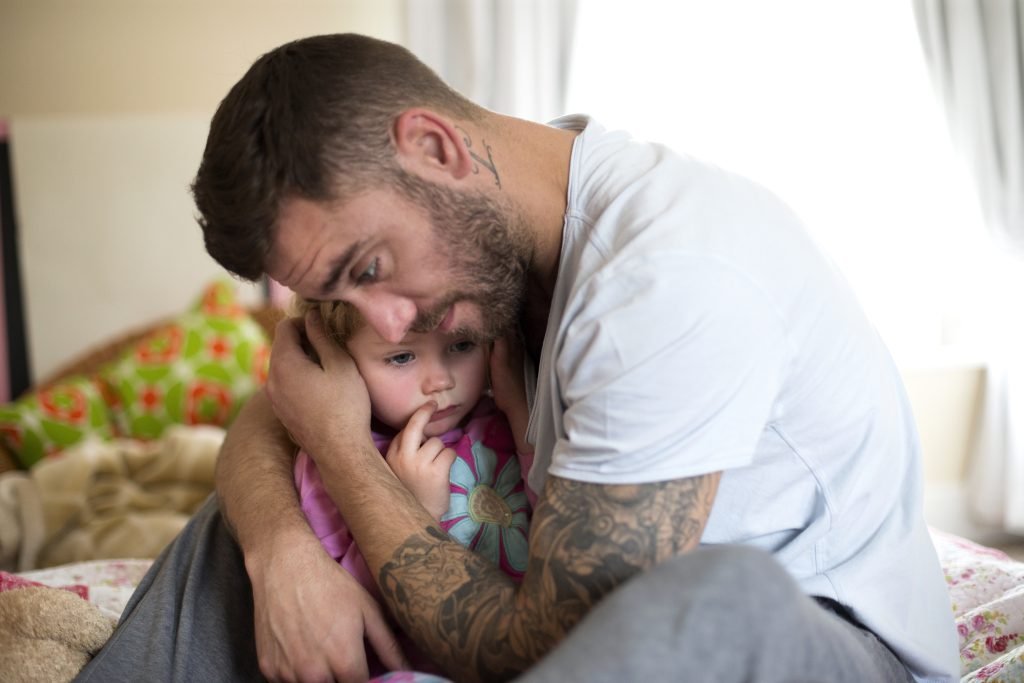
<point x="986" y="589"/>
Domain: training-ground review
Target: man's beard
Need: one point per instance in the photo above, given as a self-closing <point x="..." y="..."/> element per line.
<point x="489" y="251"/>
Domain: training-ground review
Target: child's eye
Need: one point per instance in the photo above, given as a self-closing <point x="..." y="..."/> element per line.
<point x="370" y="274"/>
<point x="400" y="359"/>
<point x="464" y="346"/>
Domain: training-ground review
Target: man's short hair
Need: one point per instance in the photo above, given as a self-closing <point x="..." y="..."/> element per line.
<point x="309" y="119"/>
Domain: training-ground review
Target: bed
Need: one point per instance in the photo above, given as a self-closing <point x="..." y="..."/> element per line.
<point x="986" y="591"/>
<point x="164" y="471"/>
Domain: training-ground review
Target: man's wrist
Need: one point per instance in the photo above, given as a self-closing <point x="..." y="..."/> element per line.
<point x="284" y="541"/>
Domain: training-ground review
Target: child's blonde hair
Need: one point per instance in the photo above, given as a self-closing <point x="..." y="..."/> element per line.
<point x="341" y="320"/>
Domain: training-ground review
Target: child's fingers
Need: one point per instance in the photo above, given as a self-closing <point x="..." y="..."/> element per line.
<point x="393" y="451"/>
<point x="430" y="449"/>
<point x="446" y="457"/>
<point x="413" y="432"/>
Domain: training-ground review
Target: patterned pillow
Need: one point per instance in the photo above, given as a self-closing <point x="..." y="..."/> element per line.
<point x="198" y="369"/>
<point x="49" y="421"/>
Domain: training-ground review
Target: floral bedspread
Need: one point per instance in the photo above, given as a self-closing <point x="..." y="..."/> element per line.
<point x="105" y="583"/>
<point x="986" y="588"/>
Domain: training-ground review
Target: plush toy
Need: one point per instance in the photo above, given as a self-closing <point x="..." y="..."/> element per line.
<point x="48" y="634"/>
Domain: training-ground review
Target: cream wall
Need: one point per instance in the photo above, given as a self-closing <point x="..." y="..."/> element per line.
<point x="101" y="57"/>
<point x="109" y="103"/>
<point x="946" y="399"/>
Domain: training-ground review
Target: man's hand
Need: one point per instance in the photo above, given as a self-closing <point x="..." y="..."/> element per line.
<point x="506" y="368"/>
<point x="324" y="405"/>
<point x="509" y="387"/>
<point x="423" y="466"/>
<point x="312" y="617"/>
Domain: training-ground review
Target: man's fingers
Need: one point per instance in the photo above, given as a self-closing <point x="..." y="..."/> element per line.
<point x="346" y="669"/>
<point x="287" y="327"/>
<point x="291" y="350"/>
<point x="282" y="352"/>
<point x="499" y="350"/>
<point x="384" y="643"/>
<point x="286" y="337"/>
<point x="320" y="342"/>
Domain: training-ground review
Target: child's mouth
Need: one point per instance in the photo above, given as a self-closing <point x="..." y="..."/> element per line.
<point x="441" y="414"/>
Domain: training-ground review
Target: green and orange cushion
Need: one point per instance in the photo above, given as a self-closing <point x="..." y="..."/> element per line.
<point x="198" y="369"/>
<point x="48" y="421"/>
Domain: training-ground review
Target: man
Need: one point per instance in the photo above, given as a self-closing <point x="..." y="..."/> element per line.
<point x="702" y="377"/>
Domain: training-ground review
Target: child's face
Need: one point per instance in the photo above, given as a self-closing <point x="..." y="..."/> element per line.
<point x="450" y="370"/>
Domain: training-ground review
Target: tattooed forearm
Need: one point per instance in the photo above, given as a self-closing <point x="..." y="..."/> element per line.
<point x="487" y="163"/>
<point x="455" y="605"/>
<point x="599" y="536"/>
<point x="586" y="540"/>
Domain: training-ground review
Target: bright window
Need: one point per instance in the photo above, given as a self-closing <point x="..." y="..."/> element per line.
<point x="827" y="103"/>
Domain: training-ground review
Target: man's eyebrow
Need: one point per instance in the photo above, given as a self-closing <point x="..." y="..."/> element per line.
<point x="338" y="268"/>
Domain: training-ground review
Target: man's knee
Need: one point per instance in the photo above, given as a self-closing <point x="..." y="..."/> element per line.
<point x="735" y="577"/>
<point x="738" y="564"/>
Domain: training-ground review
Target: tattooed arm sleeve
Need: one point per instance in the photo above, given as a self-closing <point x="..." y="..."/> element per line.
<point x="586" y="540"/>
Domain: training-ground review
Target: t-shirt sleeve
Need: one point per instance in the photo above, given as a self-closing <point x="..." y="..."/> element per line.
<point x="670" y="368"/>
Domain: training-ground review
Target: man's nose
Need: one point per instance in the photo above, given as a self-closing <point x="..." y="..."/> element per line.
<point x="389" y="316"/>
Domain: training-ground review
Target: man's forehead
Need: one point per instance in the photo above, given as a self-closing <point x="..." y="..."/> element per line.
<point x="312" y="248"/>
<point x="299" y="229"/>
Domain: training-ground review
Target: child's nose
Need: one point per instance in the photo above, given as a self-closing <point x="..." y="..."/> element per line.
<point x="438" y="378"/>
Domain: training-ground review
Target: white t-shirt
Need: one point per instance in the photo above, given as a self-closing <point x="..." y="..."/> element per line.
<point x="695" y="327"/>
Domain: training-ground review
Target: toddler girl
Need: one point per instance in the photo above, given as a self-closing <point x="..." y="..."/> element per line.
<point x="469" y="471"/>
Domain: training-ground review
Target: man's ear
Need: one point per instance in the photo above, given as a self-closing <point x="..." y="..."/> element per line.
<point x="429" y="145"/>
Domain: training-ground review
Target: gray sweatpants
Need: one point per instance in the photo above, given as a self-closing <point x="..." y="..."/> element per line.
<point x="719" y="614"/>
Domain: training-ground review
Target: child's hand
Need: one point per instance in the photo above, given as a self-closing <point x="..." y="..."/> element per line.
<point x="422" y="466"/>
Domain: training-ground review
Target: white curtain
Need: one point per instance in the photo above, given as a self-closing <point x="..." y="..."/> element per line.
<point x="511" y="56"/>
<point x="975" y="53"/>
<point x="976" y="57"/>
